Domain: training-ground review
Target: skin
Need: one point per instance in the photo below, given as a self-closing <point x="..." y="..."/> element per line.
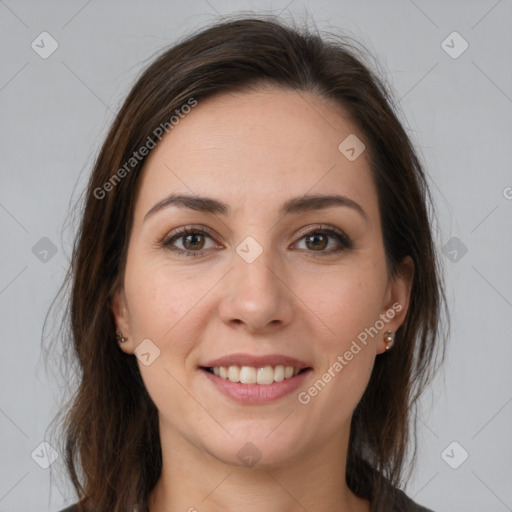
<point x="254" y="151"/>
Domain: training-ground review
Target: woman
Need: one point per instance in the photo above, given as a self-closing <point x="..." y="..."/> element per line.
<point x="256" y="298"/>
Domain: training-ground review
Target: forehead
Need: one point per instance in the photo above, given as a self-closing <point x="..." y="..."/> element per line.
<point x="258" y="148"/>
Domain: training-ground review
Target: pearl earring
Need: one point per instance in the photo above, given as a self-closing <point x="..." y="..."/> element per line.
<point x="389" y="339"/>
<point x="120" y="338"/>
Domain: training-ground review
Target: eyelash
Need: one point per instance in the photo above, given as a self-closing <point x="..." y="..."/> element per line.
<point x="344" y="241"/>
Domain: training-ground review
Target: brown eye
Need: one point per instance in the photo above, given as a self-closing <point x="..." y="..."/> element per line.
<point x="325" y="241"/>
<point x="317" y="241"/>
<point x="189" y="242"/>
<point x="194" y="242"/>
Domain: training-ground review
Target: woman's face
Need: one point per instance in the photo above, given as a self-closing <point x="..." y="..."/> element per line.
<point x="272" y="274"/>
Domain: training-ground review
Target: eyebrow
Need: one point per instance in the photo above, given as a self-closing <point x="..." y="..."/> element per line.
<point x="310" y="202"/>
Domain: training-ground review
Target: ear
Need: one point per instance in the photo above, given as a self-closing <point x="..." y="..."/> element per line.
<point x="396" y="300"/>
<point x="122" y="320"/>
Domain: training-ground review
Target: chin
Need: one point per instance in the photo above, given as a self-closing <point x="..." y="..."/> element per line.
<point x="252" y="448"/>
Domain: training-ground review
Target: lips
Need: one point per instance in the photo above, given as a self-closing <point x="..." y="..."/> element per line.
<point x="256" y="379"/>
<point x="256" y="361"/>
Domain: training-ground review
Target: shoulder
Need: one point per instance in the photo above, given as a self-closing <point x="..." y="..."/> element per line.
<point x="75" y="508"/>
<point x="405" y="504"/>
<point x="402" y="504"/>
<point x="72" y="508"/>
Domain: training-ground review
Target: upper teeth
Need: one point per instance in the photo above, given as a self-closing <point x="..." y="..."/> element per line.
<point x="251" y="375"/>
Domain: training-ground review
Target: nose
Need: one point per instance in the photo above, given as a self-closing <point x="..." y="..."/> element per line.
<point x="256" y="296"/>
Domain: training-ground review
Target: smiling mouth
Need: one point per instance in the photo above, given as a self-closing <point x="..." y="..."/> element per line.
<point x="264" y="376"/>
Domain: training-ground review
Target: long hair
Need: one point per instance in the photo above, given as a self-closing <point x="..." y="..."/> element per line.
<point x="110" y="424"/>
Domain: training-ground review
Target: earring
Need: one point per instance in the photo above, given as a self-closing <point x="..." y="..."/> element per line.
<point x="389" y="339"/>
<point x="120" y="338"/>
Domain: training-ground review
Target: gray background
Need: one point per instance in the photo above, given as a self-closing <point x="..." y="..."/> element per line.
<point x="55" y="112"/>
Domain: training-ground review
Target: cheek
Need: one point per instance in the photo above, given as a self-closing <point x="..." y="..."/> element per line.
<point x="161" y="297"/>
<point x="166" y="307"/>
<point x="347" y="304"/>
<point x="346" y="301"/>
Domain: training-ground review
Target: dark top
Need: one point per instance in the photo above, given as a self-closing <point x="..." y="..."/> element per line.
<point x="403" y="504"/>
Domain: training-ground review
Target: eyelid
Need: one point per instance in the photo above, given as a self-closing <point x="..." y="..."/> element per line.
<point x="183" y="230"/>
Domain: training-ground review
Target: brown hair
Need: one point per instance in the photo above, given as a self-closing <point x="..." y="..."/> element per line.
<point x="110" y="426"/>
